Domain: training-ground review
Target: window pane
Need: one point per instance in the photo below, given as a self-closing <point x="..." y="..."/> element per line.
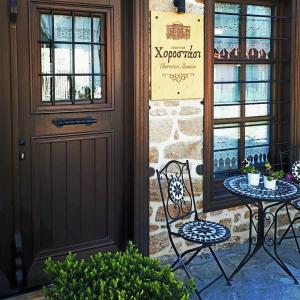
<point x="63" y="28"/>
<point x="226" y="138"/>
<point x="258" y="27"/>
<point x="97" y="60"/>
<point x="46" y="88"/>
<point x="257" y="136"/>
<point x="227" y="8"/>
<point x="63" y="88"/>
<point x="83" y="87"/>
<point x="228" y="92"/>
<point x="82" y="29"/>
<point x="258" y="92"/>
<point x="97" y="30"/>
<point x="83" y="59"/>
<point x="98" y="83"/>
<point x="63" y="58"/>
<point x="226" y="25"/>
<point x="46" y="59"/>
<point x="46" y="27"/>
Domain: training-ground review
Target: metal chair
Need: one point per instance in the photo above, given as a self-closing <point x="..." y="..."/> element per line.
<point x="290" y="162"/>
<point x="179" y="204"/>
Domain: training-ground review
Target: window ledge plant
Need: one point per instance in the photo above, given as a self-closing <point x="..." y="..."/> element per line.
<point x="109" y="276"/>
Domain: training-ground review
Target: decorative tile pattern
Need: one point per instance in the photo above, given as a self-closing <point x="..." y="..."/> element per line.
<point x="296" y="170"/>
<point x="204" y="232"/>
<point x="284" y="192"/>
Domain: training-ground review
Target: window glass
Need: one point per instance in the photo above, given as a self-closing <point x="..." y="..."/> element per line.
<point x="72" y="56"/>
<point x="227" y="93"/>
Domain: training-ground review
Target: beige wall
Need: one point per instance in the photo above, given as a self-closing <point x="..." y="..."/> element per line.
<point x="176" y="132"/>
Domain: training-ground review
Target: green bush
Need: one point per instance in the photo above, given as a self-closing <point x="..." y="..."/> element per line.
<point x="120" y="275"/>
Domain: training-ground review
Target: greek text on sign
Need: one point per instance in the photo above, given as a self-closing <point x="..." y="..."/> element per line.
<point x="177" y="58"/>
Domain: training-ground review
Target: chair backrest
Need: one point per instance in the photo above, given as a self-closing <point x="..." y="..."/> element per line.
<point x="289" y="161"/>
<point x="176" y="191"/>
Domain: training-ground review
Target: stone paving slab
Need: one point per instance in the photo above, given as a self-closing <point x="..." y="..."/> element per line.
<point x="260" y="279"/>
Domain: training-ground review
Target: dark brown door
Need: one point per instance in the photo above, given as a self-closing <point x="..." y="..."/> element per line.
<point x="71" y="131"/>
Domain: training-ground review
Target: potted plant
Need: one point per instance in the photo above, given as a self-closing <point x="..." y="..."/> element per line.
<point x="252" y="172"/>
<point x="271" y="177"/>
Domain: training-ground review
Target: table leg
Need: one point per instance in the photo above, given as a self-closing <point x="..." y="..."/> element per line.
<point x="249" y="253"/>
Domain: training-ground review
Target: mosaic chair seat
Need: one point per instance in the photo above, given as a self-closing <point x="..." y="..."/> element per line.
<point x="290" y="162"/>
<point x="182" y="219"/>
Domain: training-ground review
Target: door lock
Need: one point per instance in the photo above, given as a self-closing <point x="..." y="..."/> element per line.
<point x="22" y="155"/>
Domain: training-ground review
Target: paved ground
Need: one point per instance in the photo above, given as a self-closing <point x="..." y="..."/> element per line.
<point x="261" y="278"/>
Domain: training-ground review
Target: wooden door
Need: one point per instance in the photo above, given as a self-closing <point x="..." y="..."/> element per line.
<point x="71" y="131"/>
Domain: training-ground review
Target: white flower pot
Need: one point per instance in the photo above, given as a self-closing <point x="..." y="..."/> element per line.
<point x="253" y="179"/>
<point x="269" y="184"/>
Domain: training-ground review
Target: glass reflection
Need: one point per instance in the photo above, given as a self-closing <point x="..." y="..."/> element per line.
<point x="258" y="92"/>
<point x="97" y="30"/>
<point x="46" y="59"/>
<point x="83" y="59"/>
<point x="63" y="58"/>
<point x="46" y="27"/>
<point x="228" y="92"/>
<point x="83" y="87"/>
<point x="97" y="89"/>
<point x="63" y="28"/>
<point x="46" y="88"/>
<point x="63" y="88"/>
<point x="226" y="138"/>
<point x="82" y="29"/>
<point x="257" y="136"/>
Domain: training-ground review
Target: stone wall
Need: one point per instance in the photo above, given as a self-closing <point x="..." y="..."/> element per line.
<point x="176" y="132"/>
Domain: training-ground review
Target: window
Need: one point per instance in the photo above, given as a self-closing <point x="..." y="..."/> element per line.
<point x="72" y="66"/>
<point x="247" y="96"/>
<point x="71" y="51"/>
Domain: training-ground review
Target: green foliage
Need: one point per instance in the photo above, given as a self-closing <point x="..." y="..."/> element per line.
<point x="271" y="174"/>
<point x="275" y="175"/>
<point x="248" y="168"/>
<point x="120" y="275"/>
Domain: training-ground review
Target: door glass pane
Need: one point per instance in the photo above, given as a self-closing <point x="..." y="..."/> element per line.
<point x="46" y="88"/>
<point x="63" y="88"/>
<point x="226" y="93"/>
<point x="82" y="29"/>
<point x="255" y="137"/>
<point x="83" y="59"/>
<point x="46" y="27"/>
<point x="63" y="58"/>
<point x="83" y="87"/>
<point x="226" y="138"/>
<point x="46" y="59"/>
<point x="98" y="83"/>
<point x="258" y="27"/>
<point x="97" y="60"/>
<point x="63" y="28"/>
<point x="258" y="92"/>
<point x="97" y="30"/>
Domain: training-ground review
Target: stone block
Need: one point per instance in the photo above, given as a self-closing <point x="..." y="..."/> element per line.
<point x="191" y="127"/>
<point x="153" y="155"/>
<point x="158" y="242"/>
<point x="160" y="130"/>
<point x="184" y="150"/>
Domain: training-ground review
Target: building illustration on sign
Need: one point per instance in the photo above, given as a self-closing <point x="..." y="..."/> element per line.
<point x="177" y="31"/>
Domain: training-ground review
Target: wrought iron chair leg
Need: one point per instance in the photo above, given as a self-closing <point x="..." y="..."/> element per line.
<point x="189" y="276"/>
<point x="220" y="266"/>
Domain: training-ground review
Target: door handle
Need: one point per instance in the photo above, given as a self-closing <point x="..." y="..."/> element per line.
<point x="80" y="121"/>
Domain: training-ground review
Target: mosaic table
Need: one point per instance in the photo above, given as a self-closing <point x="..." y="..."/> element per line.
<point x="259" y="200"/>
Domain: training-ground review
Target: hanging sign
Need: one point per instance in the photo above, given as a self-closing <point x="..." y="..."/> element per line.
<point x="177" y="58"/>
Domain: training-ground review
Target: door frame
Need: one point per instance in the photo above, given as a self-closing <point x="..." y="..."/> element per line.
<point x="138" y="89"/>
